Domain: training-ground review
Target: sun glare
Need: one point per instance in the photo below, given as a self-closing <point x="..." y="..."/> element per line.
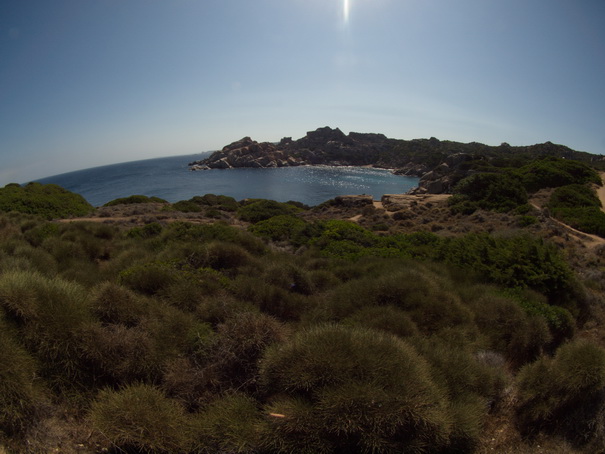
<point x="345" y="10"/>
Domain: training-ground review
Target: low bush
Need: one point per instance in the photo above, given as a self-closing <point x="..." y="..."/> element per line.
<point x="552" y="172"/>
<point x="50" y="314"/>
<point x="139" y="417"/>
<point x="488" y="191"/>
<point x="149" y="278"/>
<point x="269" y="298"/>
<point x="258" y="210"/>
<point x="388" y="319"/>
<point x="284" y="228"/>
<point x="119" y="355"/>
<point x="46" y="200"/>
<point x="564" y="394"/>
<point x="147" y="231"/>
<point x="509" y="330"/>
<point x="134" y="199"/>
<point x="19" y="398"/>
<point x="578" y="206"/>
<point x="345" y="389"/>
<point x="219" y="202"/>
<point x="416" y="290"/>
<point x="194" y="233"/>
<point x="232" y="423"/>
<point x="225" y="256"/>
<point x="187" y="206"/>
<point x="518" y="261"/>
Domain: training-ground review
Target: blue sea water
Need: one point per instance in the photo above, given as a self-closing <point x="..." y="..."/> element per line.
<point x="170" y="179"/>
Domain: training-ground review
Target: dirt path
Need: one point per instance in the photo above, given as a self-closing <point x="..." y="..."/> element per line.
<point x="601" y="192"/>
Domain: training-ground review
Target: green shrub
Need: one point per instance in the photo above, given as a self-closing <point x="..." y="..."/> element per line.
<point x="39" y="233"/>
<point x="288" y="276"/>
<point x="416" y="290"/>
<point x="19" y="399"/>
<point x="388" y="319"/>
<point x="488" y="191"/>
<point x="573" y="196"/>
<point x="230" y="424"/>
<point x="284" y="228"/>
<point x="119" y="355"/>
<point x="509" y="330"/>
<point x="526" y="221"/>
<point x="220" y="202"/>
<point x="578" y="206"/>
<point x="259" y="210"/>
<point x="25" y="258"/>
<point x="518" y="261"/>
<point x="553" y="172"/>
<point x="344" y="389"/>
<point x="51" y="314"/>
<point x="187" y="206"/>
<point x="140" y="417"/>
<point x="187" y="232"/>
<point x="46" y="200"/>
<point x="564" y="394"/>
<point x="586" y="219"/>
<point x="134" y="199"/>
<point x="147" y="231"/>
<point x="273" y="300"/>
<point x="149" y="278"/>
<point x="222" y="256"/>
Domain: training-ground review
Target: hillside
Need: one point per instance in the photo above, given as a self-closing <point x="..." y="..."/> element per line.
<point x="421" y="322"/>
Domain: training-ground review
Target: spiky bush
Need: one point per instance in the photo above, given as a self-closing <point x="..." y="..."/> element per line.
<point x="50" y="314"/>
<point x="19" y="399"/>
<point x="345" y="389"/>
<point x="424" y="295"/>
<point x="510" y="330"/>
<point x="231" y="359"/>
<point x="564" y="394"/>
<point x="384" y="318"/>
<point x="269" y="298"/>
<point x="119" y="355"/>
<point x="113" y="303"/>
<point x="222" y="255"/>
<point x="232" y="423"/>
<point x="473" y="386"/>
<point x="139" y="417"/>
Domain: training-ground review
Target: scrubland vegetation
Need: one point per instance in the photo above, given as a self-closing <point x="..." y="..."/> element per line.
<point x="286" y="334"/>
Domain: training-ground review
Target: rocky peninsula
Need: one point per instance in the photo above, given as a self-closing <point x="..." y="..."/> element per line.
<point x="439" y="164"/>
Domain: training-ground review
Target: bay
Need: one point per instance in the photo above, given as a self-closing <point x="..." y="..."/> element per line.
<point x="170" y="178"/>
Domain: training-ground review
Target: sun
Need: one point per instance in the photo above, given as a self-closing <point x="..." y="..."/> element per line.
<point x="345" y="10"/>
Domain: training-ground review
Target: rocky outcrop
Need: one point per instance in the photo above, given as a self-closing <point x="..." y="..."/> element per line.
<point x="246" y="153"/>
<point x="324" y="146"/>
<point x="438" y="164"/>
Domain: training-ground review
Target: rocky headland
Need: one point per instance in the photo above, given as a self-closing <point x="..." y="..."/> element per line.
<point x="439" y="164"/>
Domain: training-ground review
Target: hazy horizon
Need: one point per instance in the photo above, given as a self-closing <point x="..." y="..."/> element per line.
<point x="86" y="83"/>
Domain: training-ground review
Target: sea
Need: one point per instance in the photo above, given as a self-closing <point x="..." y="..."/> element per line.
<point x="170" y="178"/>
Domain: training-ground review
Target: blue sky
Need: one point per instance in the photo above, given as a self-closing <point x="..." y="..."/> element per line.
<point x="93" y="82"/>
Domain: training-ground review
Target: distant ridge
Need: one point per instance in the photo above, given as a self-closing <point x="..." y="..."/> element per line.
<point x="439" y="164"/>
